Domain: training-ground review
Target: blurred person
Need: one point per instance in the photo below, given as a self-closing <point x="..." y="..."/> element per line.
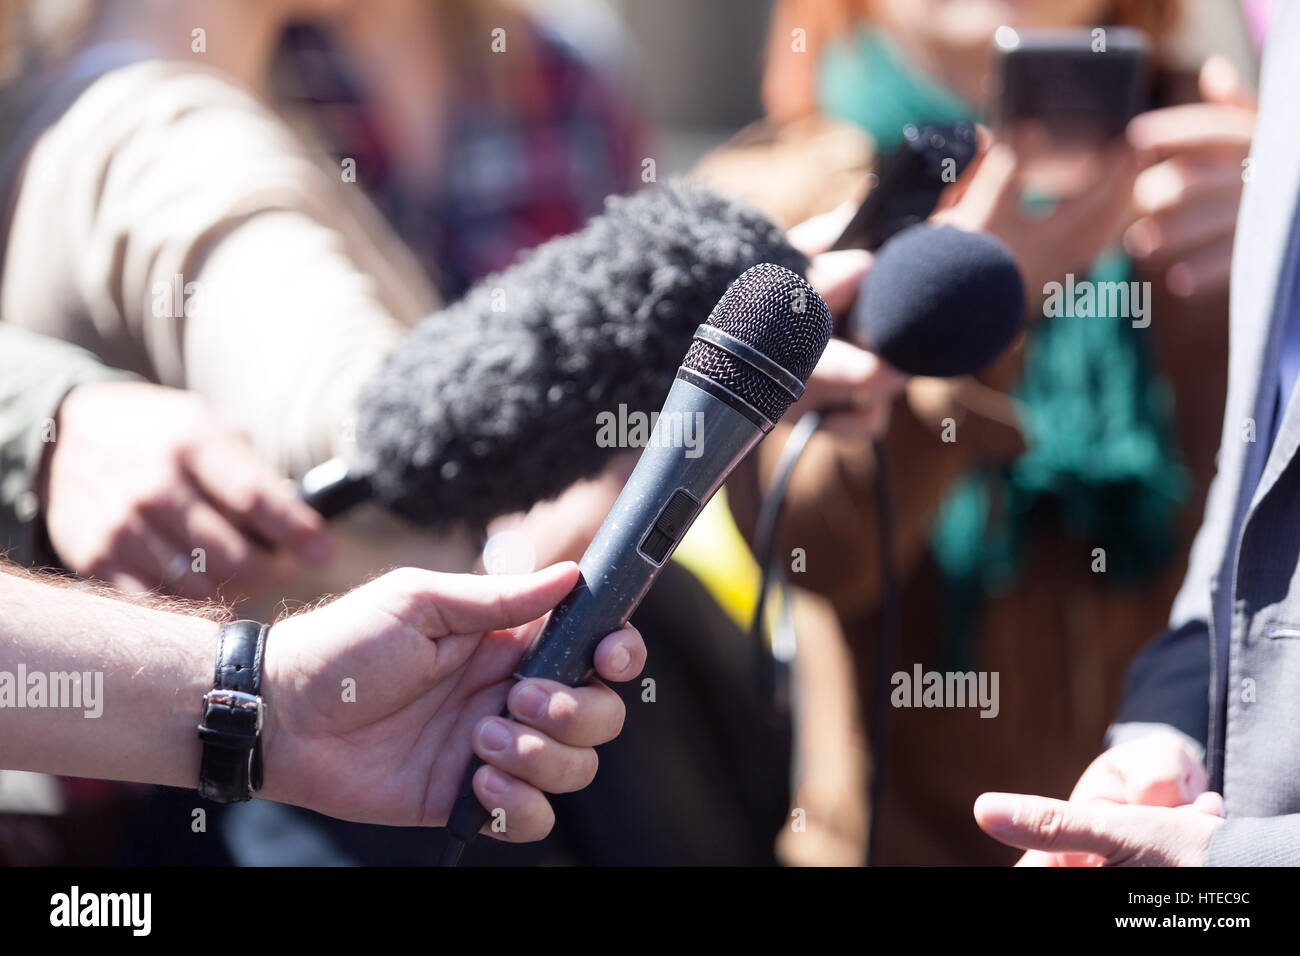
<point x="471" y="155"/>
<point x="136" y="484"/>
<point x="431" y="654"/>
<point x="165" y="219"/>
<point x="1202" y="761"/>
<point x="141" y="486"/>
<point x="1095" y="434"/>
<point x="168" y="221"/>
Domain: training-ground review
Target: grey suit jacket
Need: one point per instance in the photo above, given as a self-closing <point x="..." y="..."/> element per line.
<point x="1242" y="591"/>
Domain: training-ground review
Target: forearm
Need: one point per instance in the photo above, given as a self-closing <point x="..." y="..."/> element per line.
<point x="291" y="330"/>
<point x="143" y="674"/>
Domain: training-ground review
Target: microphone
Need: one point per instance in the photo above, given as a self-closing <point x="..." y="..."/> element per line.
<point x="488" y="406"/>
<point x="745" y="367"/>
<point x="940" y="301"/>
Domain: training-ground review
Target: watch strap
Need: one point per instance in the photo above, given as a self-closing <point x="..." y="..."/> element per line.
<point x="231" y="766"/>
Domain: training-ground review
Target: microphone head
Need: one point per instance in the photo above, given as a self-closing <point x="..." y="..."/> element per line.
<point x="776" y="313"/>
<point x="940" y="301"/>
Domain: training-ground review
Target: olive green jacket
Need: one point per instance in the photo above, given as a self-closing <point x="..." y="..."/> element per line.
<point x="36" y="372"/>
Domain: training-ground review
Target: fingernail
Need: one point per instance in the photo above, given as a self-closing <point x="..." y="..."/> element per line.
<point x="495" y="736"/>
<point x="620" y="660"/>
<point x="494" y="782"/>
<point x="530" y="702"/>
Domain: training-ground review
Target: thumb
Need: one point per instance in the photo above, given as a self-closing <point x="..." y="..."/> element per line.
<point x="1054" y="826"/>
<point x="439" y="604"/>
<point x="837" y="277"/>
<point x="987" y="191"/>
<point x="814" y="236"/>
<point x="1220" y="82"/>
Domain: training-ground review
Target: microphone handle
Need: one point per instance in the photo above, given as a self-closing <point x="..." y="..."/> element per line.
<point x="666" y="491"/>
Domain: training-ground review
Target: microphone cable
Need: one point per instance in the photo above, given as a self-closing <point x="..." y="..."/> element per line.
<point x="774" y="661"/>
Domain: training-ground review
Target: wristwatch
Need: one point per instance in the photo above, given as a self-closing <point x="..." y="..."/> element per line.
<point x="231" y="729"/>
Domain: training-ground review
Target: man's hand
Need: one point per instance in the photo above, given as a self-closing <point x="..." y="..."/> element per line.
<point x="376" y="700"/>
<point x="1113" y="834"/>
<point x="1158" y="769"/>
<point x="139" y="476"/>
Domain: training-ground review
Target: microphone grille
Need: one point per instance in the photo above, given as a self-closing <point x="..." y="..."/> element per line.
<point x="777" y="313"/>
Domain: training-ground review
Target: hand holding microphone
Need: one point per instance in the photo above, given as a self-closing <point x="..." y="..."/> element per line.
<point x="744" y="369"/>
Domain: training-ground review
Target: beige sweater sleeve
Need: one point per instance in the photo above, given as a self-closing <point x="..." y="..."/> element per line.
<point x="175" y="227"/>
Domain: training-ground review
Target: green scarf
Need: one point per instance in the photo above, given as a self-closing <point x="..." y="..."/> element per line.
<point x="1101" y="468"/>
<point x="866" y="81"/>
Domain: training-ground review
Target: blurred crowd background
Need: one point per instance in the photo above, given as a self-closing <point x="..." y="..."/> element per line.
<point x="467" y="158"/>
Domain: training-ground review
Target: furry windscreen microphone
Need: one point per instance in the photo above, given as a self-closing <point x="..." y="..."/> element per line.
<point x="491" y="405"/>
<point x="940" y="301"/>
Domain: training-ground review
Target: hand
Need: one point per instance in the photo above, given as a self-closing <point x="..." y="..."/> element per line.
<point x="987" y="197"/>
<point x="852" y="379"/>
<point x="1187" y="201"/>
<point x="859" y="385"/>
<point x="1117" y="835"/>
<point x="139" y="476"/>
<point x="430" y="670"/>
<point x="837" y="276"/>
<point x="1158" y="769"/>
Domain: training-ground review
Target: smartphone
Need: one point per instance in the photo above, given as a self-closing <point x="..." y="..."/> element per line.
<point x="908" y="181"/>
<point x="1063" y="95"/>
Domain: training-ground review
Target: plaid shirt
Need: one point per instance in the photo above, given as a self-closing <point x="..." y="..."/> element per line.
<point x="515" y="174"/>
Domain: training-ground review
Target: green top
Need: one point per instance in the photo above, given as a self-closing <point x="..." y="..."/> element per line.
<point x="865" y="80"/>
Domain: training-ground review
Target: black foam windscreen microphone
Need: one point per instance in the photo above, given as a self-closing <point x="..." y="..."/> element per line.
<point x="490" y="405"/>
<point x="743" y="370"/>
<point x="940" y="301"/>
